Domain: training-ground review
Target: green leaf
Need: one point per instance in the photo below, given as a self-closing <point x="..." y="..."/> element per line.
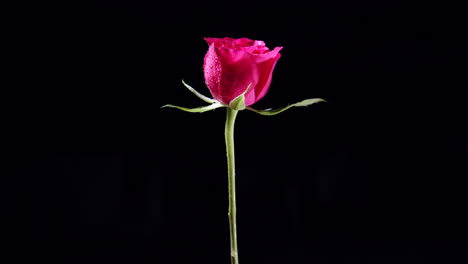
<point x="238" y="103"/>
<point x="200" y="109"/>
<point x="199" y="95"/>
<point x="270" y="112"/>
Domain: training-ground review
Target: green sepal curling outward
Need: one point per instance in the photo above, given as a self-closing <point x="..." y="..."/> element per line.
<point x="269" y="112"/>
<point x="199" y="95"/>
<point x="238" y="103"/>
<point x="200" y="109"/>
<point x="213" y="103"/>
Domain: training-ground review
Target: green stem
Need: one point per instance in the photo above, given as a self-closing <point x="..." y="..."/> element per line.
<point x="229" y="135"/>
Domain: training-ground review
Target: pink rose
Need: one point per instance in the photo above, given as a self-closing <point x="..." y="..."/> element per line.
<point x="231" y="65"/>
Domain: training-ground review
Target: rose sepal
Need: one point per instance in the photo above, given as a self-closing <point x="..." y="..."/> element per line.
<point x="213" y="103"/>
<point x="199" y="95"/>
<point x="238" y="103"/>
<point x="200" y="109"/>
<point x="270" y="112"/>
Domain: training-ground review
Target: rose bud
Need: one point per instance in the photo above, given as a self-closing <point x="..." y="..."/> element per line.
<point x="233" y="65"/>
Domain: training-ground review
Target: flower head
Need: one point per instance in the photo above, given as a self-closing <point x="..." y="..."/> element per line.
<point x="232" y="65"/>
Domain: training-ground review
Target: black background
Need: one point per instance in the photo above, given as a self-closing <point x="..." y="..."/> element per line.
<point x="94" y="171"/>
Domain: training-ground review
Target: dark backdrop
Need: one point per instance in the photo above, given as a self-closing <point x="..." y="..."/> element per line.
<point x="94" y="171"/>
